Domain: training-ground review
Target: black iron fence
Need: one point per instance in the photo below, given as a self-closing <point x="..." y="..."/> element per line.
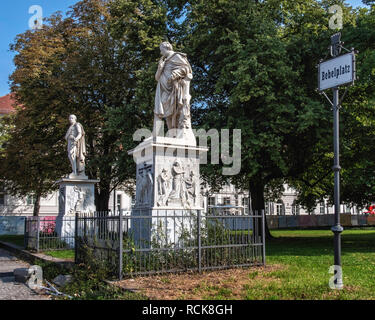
<point x="163" y="241"/>
<point x="49" y="233"/>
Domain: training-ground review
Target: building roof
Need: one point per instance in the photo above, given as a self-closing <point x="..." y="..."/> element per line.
<point x="6" y="104"/>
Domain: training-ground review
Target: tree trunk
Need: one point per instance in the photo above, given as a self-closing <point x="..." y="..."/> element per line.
<point x="102" y="198"/>
<point x="36" y="205"/>
<point x="257" y="203"/>
<point x="102" y="207"/>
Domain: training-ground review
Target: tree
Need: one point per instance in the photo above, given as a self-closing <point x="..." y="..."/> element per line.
<point x="254" y="66"/>
<point x="31" y="159"/>
<point x="357" y="119"/>
<point x="85" y="65"/>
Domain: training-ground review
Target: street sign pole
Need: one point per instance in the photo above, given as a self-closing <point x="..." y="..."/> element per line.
<point x="332" y="73"/>
<point x="337" y="229"/>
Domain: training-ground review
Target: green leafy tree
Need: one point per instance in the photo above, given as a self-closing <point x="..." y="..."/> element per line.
<point x="357" y="118"/>
<point x="254" y="66"/>
<point x="90" y="65"/>
<point x="31" y="158"/>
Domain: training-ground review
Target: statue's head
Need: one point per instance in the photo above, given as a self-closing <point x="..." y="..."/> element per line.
<point x="177" y="164"/>
<point x="165" y="48"/>
<point x="72" y="119"/>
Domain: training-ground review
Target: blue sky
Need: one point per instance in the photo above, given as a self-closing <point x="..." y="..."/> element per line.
<point x="14" y="19"/>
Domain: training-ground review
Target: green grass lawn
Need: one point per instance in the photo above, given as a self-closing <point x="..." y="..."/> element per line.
<point x="302" y="259"/>
<point x="17" y="240"/>
<point x="61" y="254"/>
<point x="297" y="267"/>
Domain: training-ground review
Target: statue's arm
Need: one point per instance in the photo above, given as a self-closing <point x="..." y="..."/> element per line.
<point x="150" y="178"/>
<point x="182" y="73"/>
<point x="67" y="135"/>
<point x="160" y="69"/>
<point x="79" y="135"/>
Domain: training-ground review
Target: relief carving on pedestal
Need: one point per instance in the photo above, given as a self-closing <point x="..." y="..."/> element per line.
<point x="79" y="199"/>
<point x="62" y="201"/>
<point x="178" y="185"/>
<point x="164" y="187"/>
<point x="144" y="186"/>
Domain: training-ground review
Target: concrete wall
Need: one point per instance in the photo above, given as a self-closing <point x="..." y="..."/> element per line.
<point x="12" y="225"/>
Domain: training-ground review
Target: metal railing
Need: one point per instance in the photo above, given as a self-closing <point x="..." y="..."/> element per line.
<point x="163" y="241"/>
<point x="49" y="233"/>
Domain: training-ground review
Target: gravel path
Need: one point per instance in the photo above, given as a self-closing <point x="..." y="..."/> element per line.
<point x="9" y="289"/>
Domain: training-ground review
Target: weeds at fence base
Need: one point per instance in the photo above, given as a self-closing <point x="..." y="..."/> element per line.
<point x="89" y="280"/>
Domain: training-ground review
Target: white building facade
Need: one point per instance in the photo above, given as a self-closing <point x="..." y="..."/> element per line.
<point x="229" y="200"/>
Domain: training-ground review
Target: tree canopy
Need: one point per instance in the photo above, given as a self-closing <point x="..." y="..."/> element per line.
<point x="254" y="66"/>
<point x="88" y="65"/>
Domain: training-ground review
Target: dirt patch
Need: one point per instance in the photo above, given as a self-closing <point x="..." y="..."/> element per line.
<point x="336" y="294"/>
<point x="222" y="284"/>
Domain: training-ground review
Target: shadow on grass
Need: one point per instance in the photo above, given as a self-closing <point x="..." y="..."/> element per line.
<point x="353" y="241"/>
<point x="17" y="240"/>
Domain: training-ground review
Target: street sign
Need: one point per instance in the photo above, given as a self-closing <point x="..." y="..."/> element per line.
<point x="337" y="71"/>
<point x="332" y="74"/>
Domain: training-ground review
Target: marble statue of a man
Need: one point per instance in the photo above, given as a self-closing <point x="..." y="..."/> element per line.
<point x="75" y="137"/>
<point x="172" y="100"/>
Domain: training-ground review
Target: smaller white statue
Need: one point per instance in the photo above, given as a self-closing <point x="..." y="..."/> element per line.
<point x="75" y="137"/>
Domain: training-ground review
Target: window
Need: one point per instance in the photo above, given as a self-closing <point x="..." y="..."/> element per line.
<point x="30" y="200"/>
<point x="211" y="201"/>
<point x="133" y="200"/>
<point x="345" y="209"/>
<point x="322" y="208"/>
<point x="295" y="208"/>
<point x="269" y="208"/>
<point x="119" y="202"/>
<point x="280" y="208"/>
<point x="245" y="203"/>
<point x="227" y="201"/>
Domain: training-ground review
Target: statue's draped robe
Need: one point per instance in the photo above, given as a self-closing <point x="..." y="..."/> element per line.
<point x="173" y="97"/>
<point x="79" y="149"/>
<point x="177" y="186"/>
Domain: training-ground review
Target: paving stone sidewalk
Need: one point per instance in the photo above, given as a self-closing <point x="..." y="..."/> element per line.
<point x="9" y="289"/>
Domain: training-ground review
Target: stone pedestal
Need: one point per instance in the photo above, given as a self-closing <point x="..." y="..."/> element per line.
<point x="168" y="184"/>
<point x="76" y="194"/>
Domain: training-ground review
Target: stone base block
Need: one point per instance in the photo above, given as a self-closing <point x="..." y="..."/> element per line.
<point x="168" y="174"/>
<point x="76" y="195"/>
